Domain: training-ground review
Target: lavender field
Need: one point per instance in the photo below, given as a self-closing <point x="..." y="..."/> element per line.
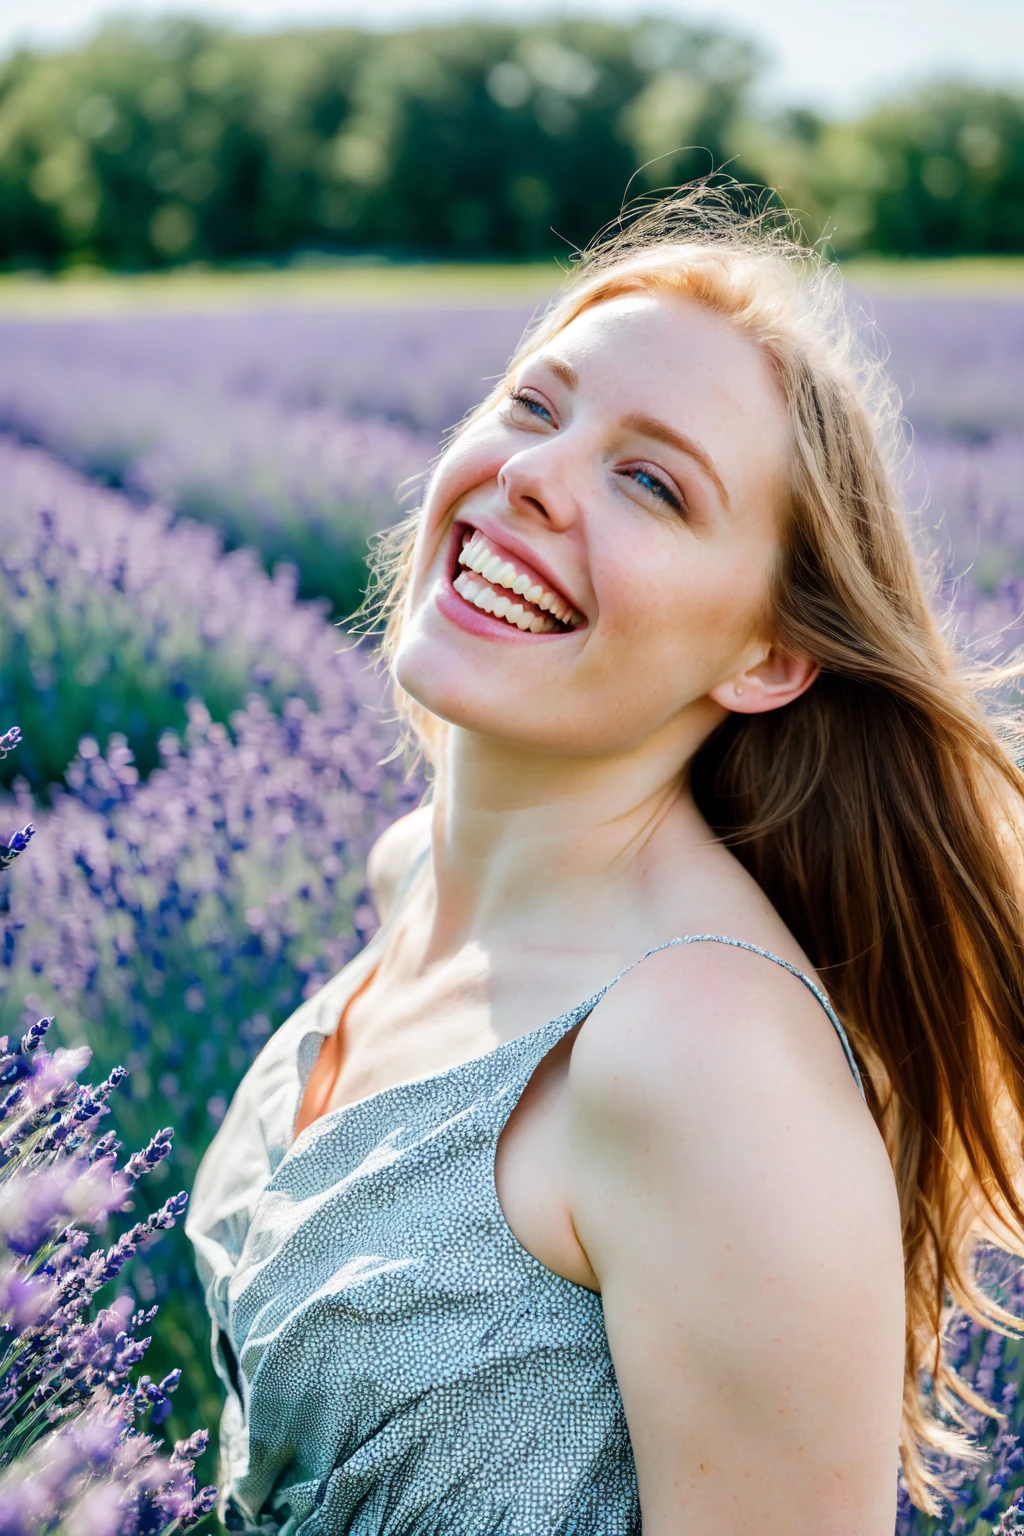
<point x="185" y="504"/>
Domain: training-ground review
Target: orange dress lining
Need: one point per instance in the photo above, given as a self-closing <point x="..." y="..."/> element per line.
<point x="316" y="1099"/>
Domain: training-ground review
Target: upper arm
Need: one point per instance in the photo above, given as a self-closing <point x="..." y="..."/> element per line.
<point x="392" y="856"/>
<point x="738" y="1207"/>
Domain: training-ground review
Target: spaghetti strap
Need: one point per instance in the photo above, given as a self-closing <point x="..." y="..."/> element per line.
<point x="812" y="987"/>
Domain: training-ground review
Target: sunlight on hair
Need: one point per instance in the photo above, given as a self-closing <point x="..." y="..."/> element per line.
<point x="881" y="811"/>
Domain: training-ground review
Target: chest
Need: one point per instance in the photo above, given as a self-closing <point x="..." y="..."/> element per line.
<point x="388" y="1036"/>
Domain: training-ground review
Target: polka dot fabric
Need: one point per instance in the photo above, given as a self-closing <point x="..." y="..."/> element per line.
<point x="396" y="1363"/>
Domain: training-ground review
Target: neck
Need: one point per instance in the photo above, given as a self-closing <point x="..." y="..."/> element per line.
<point x="525" y="842"/>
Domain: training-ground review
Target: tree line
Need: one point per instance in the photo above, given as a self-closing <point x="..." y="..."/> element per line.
<point x="175" y="141"/>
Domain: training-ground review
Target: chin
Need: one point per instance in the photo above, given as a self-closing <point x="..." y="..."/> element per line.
<point x="486" y="701"/>
<point x="460" y="692"/>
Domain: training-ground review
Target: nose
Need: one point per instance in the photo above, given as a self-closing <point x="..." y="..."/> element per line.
<point x="538" y="483"/>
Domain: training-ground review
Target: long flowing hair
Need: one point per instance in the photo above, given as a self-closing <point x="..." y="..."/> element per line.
<point x="882" y="811"/>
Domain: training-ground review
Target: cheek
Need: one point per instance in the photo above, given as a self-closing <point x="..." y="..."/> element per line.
<point x="694" y="602"/>
<point x="665" y="639"/>
<point x="471" y="462"/>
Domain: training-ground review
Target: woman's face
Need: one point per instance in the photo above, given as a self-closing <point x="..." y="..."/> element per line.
<point x="595" y="552"/>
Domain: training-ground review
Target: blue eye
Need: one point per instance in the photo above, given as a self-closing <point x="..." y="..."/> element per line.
<point x="650" y="482"/>
<point x="529" y="403"/>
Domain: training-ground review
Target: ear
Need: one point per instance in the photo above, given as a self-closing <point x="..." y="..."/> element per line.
<point x="777" y="679"/>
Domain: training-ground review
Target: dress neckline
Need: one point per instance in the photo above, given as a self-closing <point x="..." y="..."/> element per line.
<point x="563" y="1023"/>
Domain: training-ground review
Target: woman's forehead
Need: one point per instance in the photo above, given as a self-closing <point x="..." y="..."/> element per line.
<point x="661" y="328"/>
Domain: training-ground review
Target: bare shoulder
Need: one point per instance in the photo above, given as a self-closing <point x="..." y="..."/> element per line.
<point x="692" y="1016"/>
<point x="736" y="1203"/>
<point x="392" y="855"/>
<point x="710" y="1088"/>
<point x="727" y="1066"/>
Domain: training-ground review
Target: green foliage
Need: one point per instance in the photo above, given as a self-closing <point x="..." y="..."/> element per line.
<point x="153" y="144"/>
<point x="940" y="173"/>
<point x="159" y="143"/>
<point x="950" y="172"/>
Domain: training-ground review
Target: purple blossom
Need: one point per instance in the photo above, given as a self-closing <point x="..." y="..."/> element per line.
<point x="72" y="1456"/>
<point x="102" y="599"/>
<point x="93" y="1476"/>
<point x="103" y="393"/>
<point x="158" y="1148"/>
<point x="134" y="918"/>
<point x="989" y="1497"/>
<point x="14" y="843"/>
<point x="142" y="898"/>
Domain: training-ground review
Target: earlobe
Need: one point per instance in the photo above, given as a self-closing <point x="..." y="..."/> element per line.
<point x="776" y="680"/>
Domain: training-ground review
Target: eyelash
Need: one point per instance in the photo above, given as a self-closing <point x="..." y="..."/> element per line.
<point x="532" y="405"/>
<point x="662" y="493"/>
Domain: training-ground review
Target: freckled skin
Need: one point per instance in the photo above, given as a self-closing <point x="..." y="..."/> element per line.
<point x="669" y="597"/>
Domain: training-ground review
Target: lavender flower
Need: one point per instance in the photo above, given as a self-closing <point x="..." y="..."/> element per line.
<point x="290" y="433"/>
<point x="94" y="1475"/>
<point x="14" y="843"/>
<point x="178" y="918"/>
<point x="112" y="618"/>
<point x="101" y="394"/>
<point x="989" y="1498"/>
<point x="72" y="1455"/>
<point x="177" y="921"/>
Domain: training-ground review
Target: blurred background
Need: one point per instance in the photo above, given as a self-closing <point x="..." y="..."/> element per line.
<point x="254" y="260"/>
<point x="497" y="131"/>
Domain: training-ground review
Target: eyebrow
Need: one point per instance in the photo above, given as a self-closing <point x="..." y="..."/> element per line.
<point x="647" y="426"/>
<point x="564" y="371"/>
<point x="650" y="426"/>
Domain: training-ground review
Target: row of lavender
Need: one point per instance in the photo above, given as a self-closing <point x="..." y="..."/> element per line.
<point x="290" y="432"/>
<point x="202" y="867"/>
<point x="171" y="919"/>
<point x="75" y="1452"/>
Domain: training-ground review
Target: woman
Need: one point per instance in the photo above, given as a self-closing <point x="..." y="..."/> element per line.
<point x="571" y="1204"/>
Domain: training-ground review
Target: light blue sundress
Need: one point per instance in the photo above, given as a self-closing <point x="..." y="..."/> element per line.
<point x="396" y="1363"/>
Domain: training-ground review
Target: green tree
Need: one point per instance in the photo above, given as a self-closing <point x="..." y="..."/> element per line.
<point x="154" y="144"/>
<point x="950" y="172"/>
<point x="160" y="143"/>
<point x="938" y="173"/>
<point x="173" y="141"/>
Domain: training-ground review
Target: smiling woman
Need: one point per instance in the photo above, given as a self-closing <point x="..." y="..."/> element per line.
<point x="659" y="541"/>
<point x="623" y="1179"/>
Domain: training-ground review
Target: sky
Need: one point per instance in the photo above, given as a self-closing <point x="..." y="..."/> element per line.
<point x="836" y="57"/>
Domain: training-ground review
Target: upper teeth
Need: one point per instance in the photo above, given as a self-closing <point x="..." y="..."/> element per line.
<point x="478" y="555"/>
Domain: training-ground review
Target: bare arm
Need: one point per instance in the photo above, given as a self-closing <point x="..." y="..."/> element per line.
<point x="738" y="1207"/>
<point x="392" y="856"/>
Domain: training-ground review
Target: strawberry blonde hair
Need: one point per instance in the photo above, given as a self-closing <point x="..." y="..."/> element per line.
<point x="881" y="811"/>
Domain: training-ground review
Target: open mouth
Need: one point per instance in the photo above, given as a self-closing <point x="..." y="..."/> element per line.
<point x="494" y="581"/>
